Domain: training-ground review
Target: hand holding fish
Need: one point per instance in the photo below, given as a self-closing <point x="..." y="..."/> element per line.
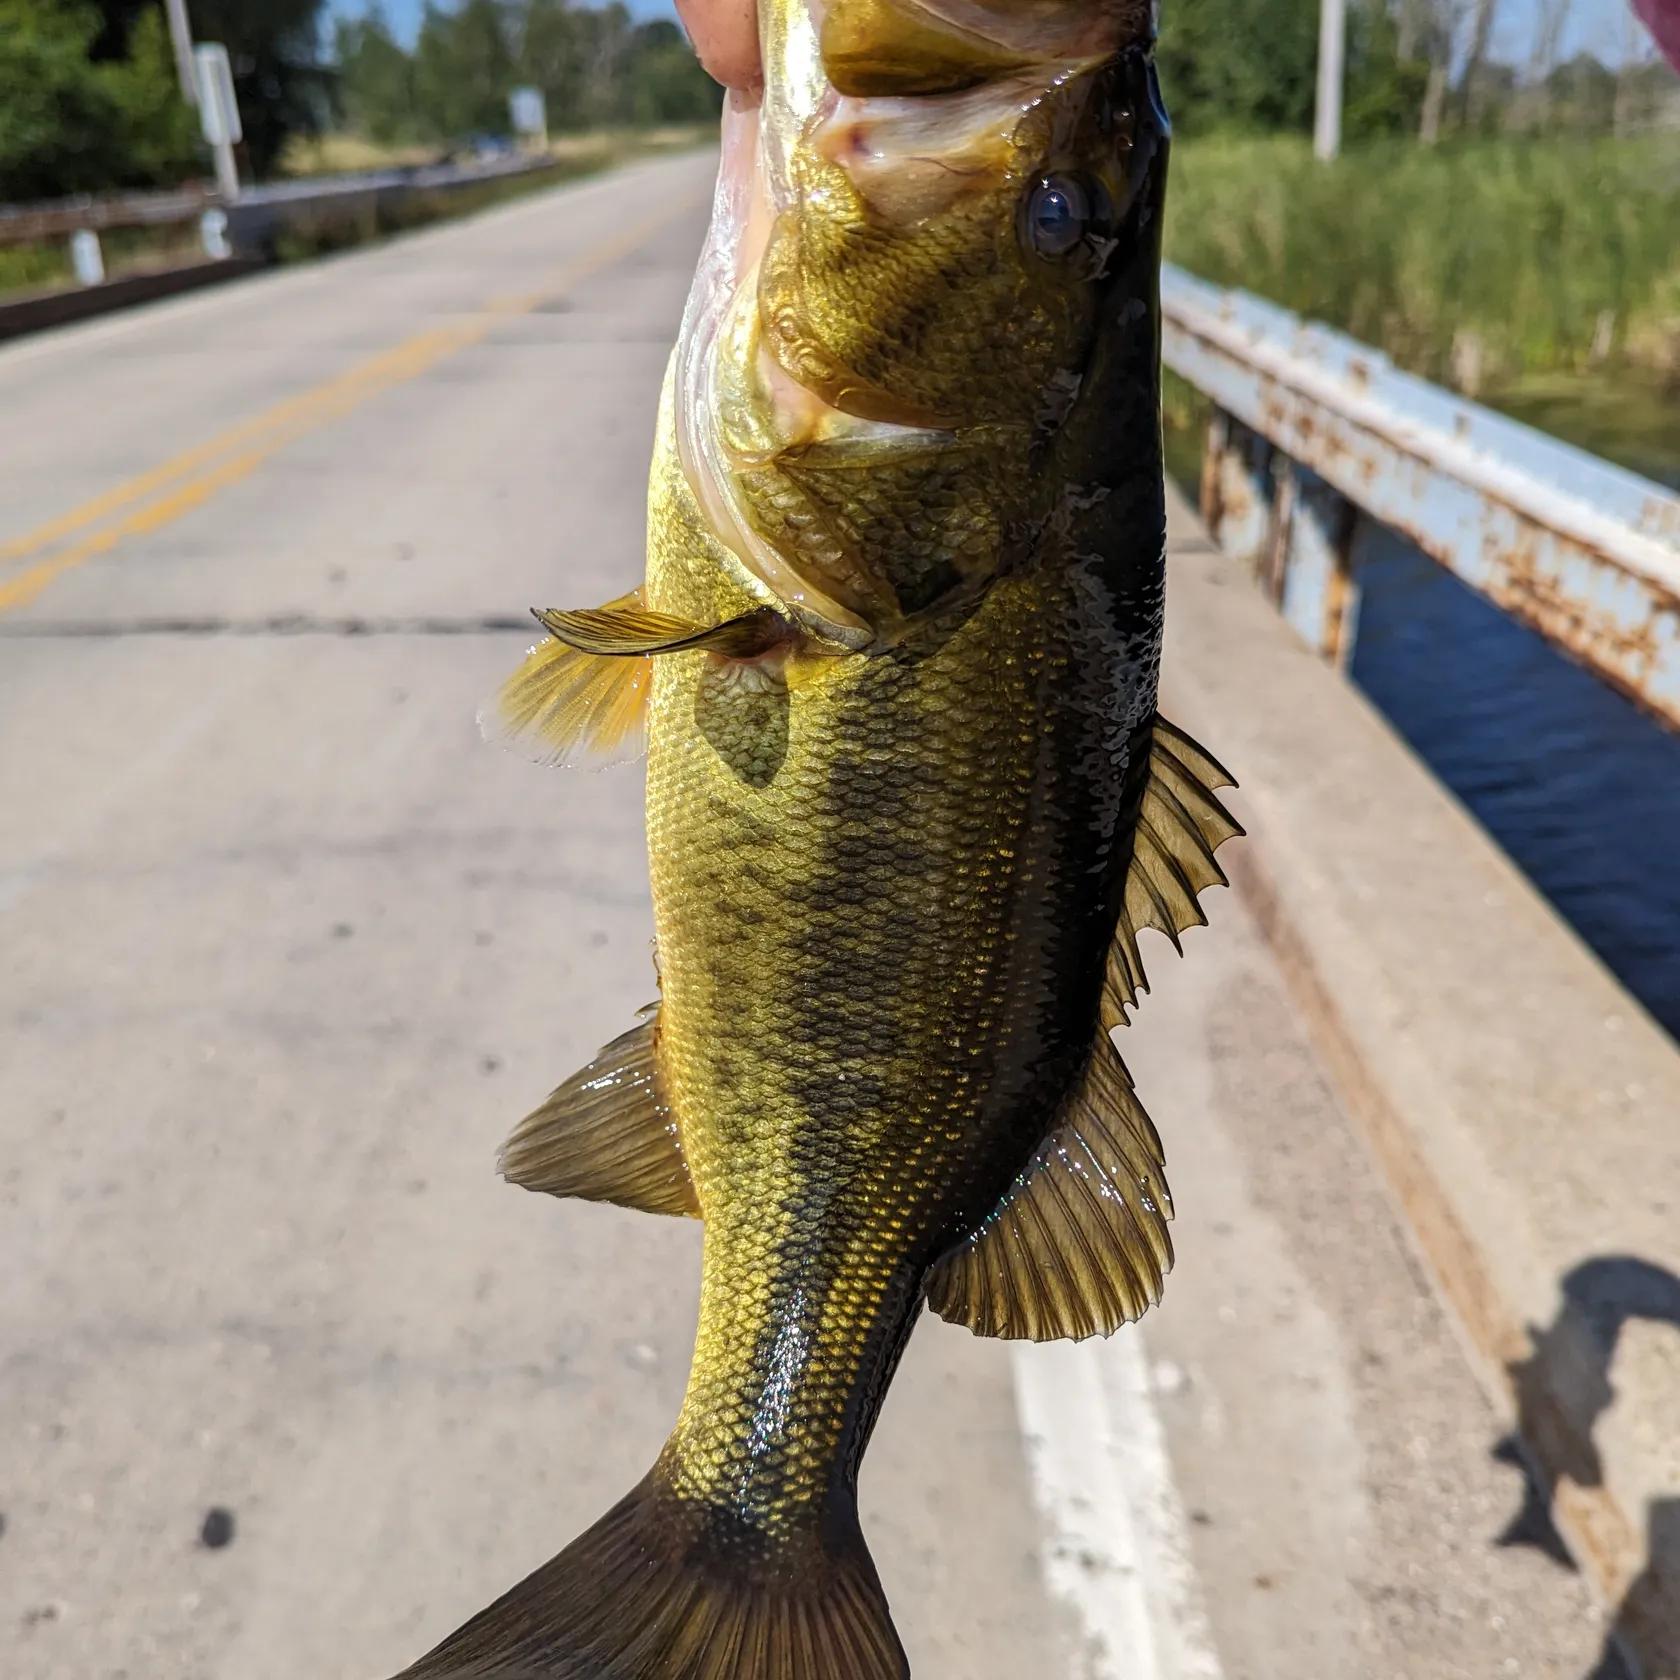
<point x="725" y="35"/>
<point x="910" y="802"/>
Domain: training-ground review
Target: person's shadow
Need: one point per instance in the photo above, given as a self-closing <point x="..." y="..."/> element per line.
<point x="1574" y="1354"/>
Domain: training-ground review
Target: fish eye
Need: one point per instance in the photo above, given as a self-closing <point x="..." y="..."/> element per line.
<point x="1058" y="215"/>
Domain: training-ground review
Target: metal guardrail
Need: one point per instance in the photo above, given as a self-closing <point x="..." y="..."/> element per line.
<point x="1314" y="431"/>
<point x="26" y="224"/>
<point x="263" y="207"/>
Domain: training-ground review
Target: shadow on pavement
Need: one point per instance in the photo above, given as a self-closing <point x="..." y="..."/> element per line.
<point x="1570" y="1362"/>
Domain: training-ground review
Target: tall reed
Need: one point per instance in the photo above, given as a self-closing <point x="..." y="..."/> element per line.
<point x="1536" y="256"/>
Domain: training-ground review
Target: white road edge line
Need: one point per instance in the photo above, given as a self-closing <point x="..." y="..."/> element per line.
<point x="1116" y="1547"/>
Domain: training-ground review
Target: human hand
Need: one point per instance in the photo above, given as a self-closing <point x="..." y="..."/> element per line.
<point x="725" y="34"/>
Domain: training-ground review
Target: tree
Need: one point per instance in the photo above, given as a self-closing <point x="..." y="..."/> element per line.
<point x="1252" y="66"/>
<point x="375" y="79"/>
<point x="282" y="86"/>
<point x="1247" y="65"/>
<point x="70" y="122"/>
<point x="463" y="69"/>
<point x="664" y="80"/>
<point x="596" y="68"/>
<point x="553" y="56"/>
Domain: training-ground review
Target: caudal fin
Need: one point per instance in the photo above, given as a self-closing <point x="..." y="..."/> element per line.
<point x="654" y="1591"/>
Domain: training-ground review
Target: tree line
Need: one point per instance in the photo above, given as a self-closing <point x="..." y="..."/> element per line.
<point x="1414" y="67"/>
<point x="89" y="100"/>
<point x="595" y="66"/>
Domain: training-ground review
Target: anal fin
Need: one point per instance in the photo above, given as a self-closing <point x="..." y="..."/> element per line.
<point x="1079" y="1245"/>
<point x="607" y="1135"/>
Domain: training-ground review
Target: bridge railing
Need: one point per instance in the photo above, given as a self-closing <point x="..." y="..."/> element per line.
<point x="258" y="211"/>
<point x="1313" y="432"/>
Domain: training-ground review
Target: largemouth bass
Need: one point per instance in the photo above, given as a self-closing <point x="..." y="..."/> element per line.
<point x="910" y="802"/>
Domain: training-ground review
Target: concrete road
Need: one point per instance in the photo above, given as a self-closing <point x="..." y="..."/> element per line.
<point x="285" y="950"/>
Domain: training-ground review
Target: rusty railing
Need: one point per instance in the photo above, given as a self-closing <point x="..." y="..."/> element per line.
<point x="1313" y="433"/>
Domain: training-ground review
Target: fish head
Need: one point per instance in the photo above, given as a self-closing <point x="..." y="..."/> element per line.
<point x="947" y="210"/>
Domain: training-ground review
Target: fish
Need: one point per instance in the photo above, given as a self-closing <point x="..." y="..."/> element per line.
<point x="910" y="801"/>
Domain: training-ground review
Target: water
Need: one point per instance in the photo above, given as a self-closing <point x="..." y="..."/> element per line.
<point x="1580" y="788"/>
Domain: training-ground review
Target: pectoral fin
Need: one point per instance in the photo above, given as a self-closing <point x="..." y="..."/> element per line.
<point x="1180" y="827"/>
<point x="607" y="1135"/>
<point x="627" y="629"/>
<point x="582" y="697"/>
<point x="1079" y="1245"/>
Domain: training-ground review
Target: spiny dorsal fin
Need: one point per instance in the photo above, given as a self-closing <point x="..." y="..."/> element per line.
<point x="1180" y="826"/>
<point x="1079" y="1246"/>
<point x="581" y="698"/>
<point x="607" y="1135"/>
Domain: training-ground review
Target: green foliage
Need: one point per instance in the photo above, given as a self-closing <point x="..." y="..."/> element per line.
<point x="375" y="79"/>
<point x="1247" y="65"/>
<point x="1527" y="245"/>
<point x="596" y="69"/>
<point x="663" y="82"/>
<point x="1251" y="67"/>
<point x="281" y="86"/>
<point x="70" y="123"/>
<point x="463" y="68"/>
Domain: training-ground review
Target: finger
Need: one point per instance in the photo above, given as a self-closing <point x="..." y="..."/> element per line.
<point x="725" y="35"/>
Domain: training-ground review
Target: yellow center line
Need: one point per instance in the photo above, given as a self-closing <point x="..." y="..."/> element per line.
<point x="197" y="474"/>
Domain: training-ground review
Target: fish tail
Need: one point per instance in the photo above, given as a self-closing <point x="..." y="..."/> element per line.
<point x="661" y="1589"/>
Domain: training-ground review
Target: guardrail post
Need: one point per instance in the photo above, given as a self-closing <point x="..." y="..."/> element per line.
<point x="1310" y="571"/>
<point x="1236" y="489"/>
<point x="86" y="259"/>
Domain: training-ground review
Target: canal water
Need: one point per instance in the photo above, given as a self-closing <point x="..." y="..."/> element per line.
<point x="1580" y="788"/>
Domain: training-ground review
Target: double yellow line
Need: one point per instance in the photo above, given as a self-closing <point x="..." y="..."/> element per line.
<point x="155" y="498"/>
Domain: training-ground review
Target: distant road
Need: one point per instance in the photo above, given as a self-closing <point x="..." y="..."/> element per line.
<point x="285" y="951"/>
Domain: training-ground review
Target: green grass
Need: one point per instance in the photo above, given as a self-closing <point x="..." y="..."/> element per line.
<point x="1522" y="242"/>
<point x="1553" y="264"/>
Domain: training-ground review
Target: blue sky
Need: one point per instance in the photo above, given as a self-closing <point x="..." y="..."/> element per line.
<point x="1594" y="25"/>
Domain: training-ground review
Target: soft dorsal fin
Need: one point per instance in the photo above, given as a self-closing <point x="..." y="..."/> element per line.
<point x="1079" y="1245"/>
<point x="607" y="1135"/>
<point x="1179" y="828"/>
<point x="581" y="698"/>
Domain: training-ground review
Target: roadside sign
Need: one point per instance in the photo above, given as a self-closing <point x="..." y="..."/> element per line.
<point x="528" y="111"/>
<point x="218" y="110"/>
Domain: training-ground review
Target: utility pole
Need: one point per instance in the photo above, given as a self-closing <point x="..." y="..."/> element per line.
<point x="180" y="35"/>
<point x="1332" y="51"/>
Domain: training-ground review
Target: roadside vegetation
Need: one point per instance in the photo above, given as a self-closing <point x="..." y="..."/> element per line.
<point x="1513" y="233"/>
<point x="90" y="104"/>
<point x="89" y="100"/>
<point x="597" y="69"/>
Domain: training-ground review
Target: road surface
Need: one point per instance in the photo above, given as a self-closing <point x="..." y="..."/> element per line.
<point x="286" y="950"/>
